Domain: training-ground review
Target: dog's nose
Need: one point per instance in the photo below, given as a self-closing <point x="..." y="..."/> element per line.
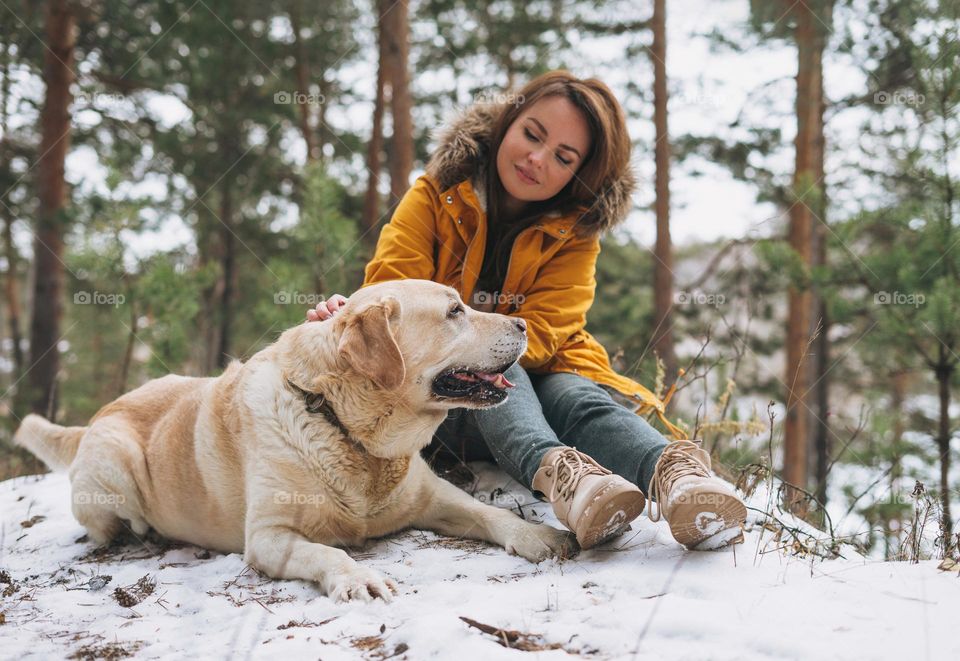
<point x="521" y="324"/>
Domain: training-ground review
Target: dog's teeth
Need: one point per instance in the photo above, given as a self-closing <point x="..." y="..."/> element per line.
<point x="496" y="380"/>
<point x="501" y="382"/>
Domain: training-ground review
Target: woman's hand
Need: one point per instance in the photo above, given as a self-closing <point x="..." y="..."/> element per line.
<point x="326" y="309"/>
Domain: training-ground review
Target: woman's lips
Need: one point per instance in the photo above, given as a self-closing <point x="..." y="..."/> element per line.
<point x="524" y="177"/>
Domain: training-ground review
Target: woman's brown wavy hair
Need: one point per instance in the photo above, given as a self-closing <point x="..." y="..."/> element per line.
<point x="606" y="162"/>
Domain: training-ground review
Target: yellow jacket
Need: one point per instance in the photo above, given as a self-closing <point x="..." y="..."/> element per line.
<point x="438" y="232"/>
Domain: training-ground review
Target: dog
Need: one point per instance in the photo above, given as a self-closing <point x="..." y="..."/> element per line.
<point x="311" y="445"/>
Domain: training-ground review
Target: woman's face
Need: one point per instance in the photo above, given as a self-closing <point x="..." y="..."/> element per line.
<point x="542" y="150"/>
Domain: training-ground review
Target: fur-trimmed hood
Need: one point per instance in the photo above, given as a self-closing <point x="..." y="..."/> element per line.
<point x="463" y="153"/>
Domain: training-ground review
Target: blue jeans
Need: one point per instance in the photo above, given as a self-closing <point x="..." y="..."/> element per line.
<point x="545" y="411"/>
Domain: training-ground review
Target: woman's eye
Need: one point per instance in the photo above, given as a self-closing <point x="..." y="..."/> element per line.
<point x="532" y="138"/>
<point x="455" y="311"/>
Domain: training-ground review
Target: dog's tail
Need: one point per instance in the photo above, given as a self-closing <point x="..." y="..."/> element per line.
<point x="55" y="445"/>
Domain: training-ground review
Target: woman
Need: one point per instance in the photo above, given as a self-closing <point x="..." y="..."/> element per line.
<point x="510" y="213"/>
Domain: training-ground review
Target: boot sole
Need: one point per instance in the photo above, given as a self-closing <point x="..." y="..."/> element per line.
<point x="726" y="512"/>
<point x="611" y="517"/>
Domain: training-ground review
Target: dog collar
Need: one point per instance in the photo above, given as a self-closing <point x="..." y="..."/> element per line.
<point x="316" y="402"/>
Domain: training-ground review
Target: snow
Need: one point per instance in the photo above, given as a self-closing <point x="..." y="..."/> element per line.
<point x="718" y="540"/>
<point x="641" y="596"/>
<point x="709" y="523"/>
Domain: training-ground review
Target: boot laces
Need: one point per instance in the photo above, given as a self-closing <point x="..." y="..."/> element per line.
<point x="568" y="468"/>
<point x="676" y="461"/>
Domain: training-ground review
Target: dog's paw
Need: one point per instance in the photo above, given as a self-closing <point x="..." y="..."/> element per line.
<point x="360" y="583"/>
<point x="540" y="542"/>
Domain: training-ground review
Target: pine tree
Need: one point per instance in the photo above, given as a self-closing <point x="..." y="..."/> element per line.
<point x="663" y="250"/>
<point x="52" y="221"/>
<point x="911" y="267"/>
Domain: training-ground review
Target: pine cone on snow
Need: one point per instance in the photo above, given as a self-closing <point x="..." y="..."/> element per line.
<point x="124" y="598"/>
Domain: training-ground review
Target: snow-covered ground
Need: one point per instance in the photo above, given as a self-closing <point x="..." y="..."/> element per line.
<point x="641" y="596"/>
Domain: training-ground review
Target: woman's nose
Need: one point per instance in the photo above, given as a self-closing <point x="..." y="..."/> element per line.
<point x="535" y="158"/>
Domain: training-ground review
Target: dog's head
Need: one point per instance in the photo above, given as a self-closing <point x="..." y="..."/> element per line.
<point x="398" y="356"/>
<point x="418" y="339"/>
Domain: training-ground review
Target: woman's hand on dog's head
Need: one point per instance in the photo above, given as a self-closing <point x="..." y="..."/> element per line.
<point x="326" y="309"/>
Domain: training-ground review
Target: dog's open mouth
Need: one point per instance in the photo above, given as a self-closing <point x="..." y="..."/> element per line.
<point x="479" y="387"/>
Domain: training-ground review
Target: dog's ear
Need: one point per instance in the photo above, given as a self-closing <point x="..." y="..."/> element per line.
<point x="368" y="343"/>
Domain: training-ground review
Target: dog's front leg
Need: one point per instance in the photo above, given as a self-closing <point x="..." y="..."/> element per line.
<point x="450" y="511"/>
<point x="281" y="552"/>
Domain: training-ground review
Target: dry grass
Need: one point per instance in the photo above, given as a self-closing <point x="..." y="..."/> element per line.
<point x="108" y="651"/>
<point x="373" y="647"/>
<point x="525" y="642"/>
<point x="294" y="624"/>
<point x="457" y="544"/>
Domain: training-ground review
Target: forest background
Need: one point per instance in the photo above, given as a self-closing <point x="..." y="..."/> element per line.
<point x="181" y="179"/>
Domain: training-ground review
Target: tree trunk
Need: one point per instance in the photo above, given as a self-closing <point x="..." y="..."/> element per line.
<point x="821" y="432"/>
<point x="898" y="381"/>
<point x="371" y="202"/>
<point x="821" y="317"/>
<point x="208" y="250"/>
<point x="303" y="82"/>
<point x="944" y="373"/>
<point x="124" y="373"/>
<point x="400" y="158"/>
<point x="663" y="253"/>
<point x="228" y="273"/>
<point x="322" y="115"/>
<point x="809" y="47"/>
<point x="99" y="360"/>
<point x="11" y="291"/>
<point x="51" y="222"/>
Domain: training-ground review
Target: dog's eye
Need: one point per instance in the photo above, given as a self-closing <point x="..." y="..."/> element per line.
<point x="455" y="311"/>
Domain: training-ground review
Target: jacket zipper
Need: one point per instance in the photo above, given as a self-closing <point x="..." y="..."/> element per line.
<point x="513" y="249"/>
<point x="466" y="255"/>
<point x="506" y="275"/>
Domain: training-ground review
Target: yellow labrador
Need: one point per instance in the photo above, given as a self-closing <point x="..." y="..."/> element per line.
<point x="311" y="444"/>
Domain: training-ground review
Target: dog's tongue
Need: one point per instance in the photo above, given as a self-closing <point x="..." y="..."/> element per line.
<point x="498" y="380"/>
